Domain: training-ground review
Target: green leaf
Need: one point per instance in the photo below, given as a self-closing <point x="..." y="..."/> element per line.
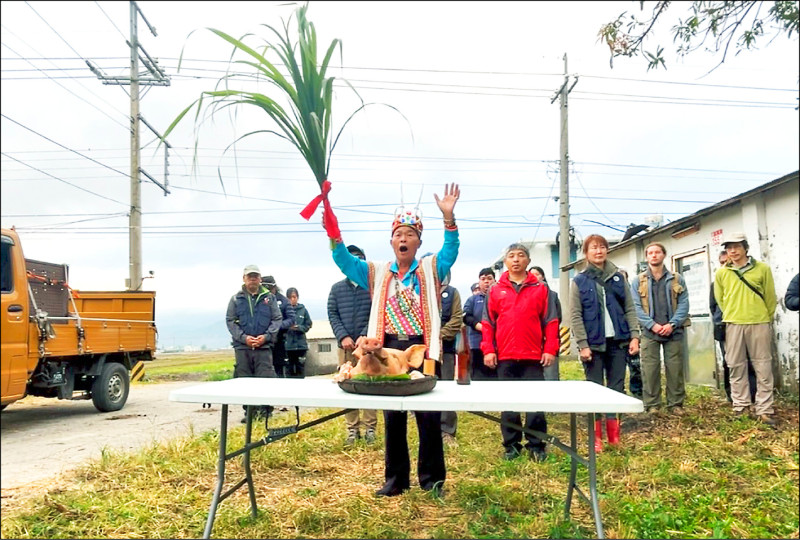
<point x="305" y="119"/>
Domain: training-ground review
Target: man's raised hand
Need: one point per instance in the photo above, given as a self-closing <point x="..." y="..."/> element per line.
<point x="448" y="200"/>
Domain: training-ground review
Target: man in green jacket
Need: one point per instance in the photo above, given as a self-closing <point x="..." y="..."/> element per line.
<point x="745" y="291"/>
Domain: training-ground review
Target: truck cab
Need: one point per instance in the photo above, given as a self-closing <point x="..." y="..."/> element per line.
<point x="15" y="366"/>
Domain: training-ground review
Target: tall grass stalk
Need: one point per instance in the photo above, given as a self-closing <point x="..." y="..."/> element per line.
<point x="301" y="109"/>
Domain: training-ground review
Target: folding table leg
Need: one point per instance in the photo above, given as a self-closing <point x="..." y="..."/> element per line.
<point x="573" y="472"/>
<point x="223" y="444"/>
<point x="598" y="520"/>
<point x="248" y="432"/>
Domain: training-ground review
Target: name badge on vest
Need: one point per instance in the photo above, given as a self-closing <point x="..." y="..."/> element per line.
<point x="402" y="337"/>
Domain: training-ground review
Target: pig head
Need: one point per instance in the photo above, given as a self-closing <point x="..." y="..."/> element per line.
<point x="372" y="359"/>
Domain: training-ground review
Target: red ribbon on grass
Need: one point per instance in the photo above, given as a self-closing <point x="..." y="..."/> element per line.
<point x="329" y="221"/>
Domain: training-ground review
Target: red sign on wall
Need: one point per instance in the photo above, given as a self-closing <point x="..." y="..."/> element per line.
<point x="716" y="237"/>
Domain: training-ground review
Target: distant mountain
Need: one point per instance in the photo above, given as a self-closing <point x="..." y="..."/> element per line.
<point x="177" y="330"/>
<point x="193" y="329"/>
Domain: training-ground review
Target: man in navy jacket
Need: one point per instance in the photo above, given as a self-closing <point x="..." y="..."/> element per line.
<point x="348" y="312"/>
<point x="473" y="314"/>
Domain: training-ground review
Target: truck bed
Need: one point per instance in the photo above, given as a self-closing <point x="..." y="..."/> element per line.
<point x="113" y="321"/>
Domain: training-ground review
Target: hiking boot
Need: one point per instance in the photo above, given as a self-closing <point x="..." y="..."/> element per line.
<point x="352" y="436"/>
<point x="449" y="440"/>
<point x="653" y="411"/>
<point x="767" y="419"/>
<point x="511" y="453"/>
<point x="677" y="410"/>
<point x="744" y="413"/>
<point x="369" y="436"/>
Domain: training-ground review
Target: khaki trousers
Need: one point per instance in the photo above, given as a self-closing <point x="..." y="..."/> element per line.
<point x="650" y="357"/>
<point x="369" y="418"/>
<point x="755" y="339"/>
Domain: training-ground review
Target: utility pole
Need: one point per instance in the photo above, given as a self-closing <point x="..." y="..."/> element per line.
<point x="159" y="78"/>
<point x="135" y="214"/>
<point x="563" y="199"/>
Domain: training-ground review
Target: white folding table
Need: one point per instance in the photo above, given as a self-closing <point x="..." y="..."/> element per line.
<point x="479" y="398"/>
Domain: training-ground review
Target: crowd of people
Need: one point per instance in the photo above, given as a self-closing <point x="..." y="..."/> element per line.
<point x="512" y="327"/>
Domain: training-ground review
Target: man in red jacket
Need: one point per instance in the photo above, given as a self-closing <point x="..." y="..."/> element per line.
<point x="520" y="338"/>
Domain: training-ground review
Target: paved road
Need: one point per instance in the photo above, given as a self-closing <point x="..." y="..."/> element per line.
<point x="42" y="438"/>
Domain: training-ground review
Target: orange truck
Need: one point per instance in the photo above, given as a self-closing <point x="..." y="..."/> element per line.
<point x="68" y="344"/>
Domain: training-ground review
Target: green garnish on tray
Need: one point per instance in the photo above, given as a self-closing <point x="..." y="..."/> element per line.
<point x="381" y="378"/>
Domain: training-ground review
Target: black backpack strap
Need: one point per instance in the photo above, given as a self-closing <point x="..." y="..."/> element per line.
<point x="740" y="276"/>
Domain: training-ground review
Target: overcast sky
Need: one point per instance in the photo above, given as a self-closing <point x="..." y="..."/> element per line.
<point x="474" y="83"/>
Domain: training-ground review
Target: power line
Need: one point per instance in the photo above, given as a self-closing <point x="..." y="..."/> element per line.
<point x="447" y="88"/>
<point x="578" y="178"/>
<point x="62" y="146"/>
<point x="50" y="225"/>
<point x="502" y="199"/>
<point x="442" y="71"/>
<point x="289" y="155"/>
<point x="544" y="207"/>
<point x="340" y="181"/>
<point x="111" y="21"/>
<point x="64" y="181"/>
<point x="707" y="85"/>
<point x="382" y="171"/>
<point x="55" y="31"/>
<point x="262" y="210"/>
<point x="70" y="91"/>
<point x="227" y="231"/>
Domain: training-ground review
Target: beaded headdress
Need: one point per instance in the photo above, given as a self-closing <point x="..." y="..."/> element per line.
<point x="409" y="218"/>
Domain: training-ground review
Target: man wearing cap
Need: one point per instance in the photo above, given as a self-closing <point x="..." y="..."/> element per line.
<point x="253" y="319"/>
<point x="719" y="337"/>
<point x="473" y="314"/>
<point x="406" y="311"/>
<point x="279" y="358"/>
<point x="348" y="313"/>
<point x="745" y="292"/>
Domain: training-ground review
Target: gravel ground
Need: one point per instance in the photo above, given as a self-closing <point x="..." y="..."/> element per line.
<point x="43" y="438"/>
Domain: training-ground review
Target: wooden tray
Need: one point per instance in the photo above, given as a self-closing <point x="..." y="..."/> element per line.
<point x="408" y="387"/>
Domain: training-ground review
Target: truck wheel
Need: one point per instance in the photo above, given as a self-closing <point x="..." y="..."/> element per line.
<point x="110" y="388"/>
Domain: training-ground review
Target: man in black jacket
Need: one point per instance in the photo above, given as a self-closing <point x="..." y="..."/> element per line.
<point x="348" y="312"/>
<point x="792" y="298"/>
<point x="279" y="358"/>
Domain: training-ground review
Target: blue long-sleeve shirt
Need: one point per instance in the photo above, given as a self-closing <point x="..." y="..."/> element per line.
<point x="358" y="270"/>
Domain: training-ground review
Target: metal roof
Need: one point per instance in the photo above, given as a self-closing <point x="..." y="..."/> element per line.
<point x="687" y="220"/>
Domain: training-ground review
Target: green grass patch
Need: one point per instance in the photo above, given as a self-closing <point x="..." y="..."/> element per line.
<point x="200" y="366"/>
<point x="706" y="474"/>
